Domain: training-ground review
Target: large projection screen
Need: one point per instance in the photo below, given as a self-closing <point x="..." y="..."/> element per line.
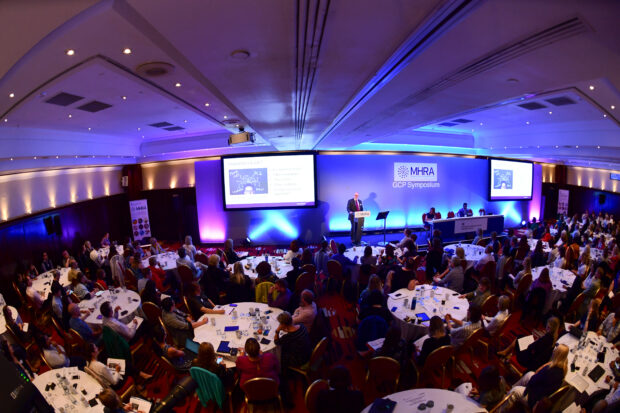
<point x="510" y="180"/>
<point x="269" y="181"/>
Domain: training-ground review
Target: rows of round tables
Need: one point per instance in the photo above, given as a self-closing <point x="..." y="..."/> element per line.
<point x="433" y="400"/>
<point x="128" y="300"/>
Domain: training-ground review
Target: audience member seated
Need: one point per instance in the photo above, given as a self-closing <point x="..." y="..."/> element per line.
<point x="77" y="323"/>
<point x="46" y="264"/>
<point x="66" y="259"/>
<point x="206" y="360"/>
<point x="252" y="363"/>
<point x="113" y="404"/>
<point x="491" y="387"/>
<point x="479" y="237"/>
<point x="135" y="265"/>
<point x="147" y="275"/>
<point x="402" y="277"/>
<point x="394" y="346"/>
<point x="368" y="258"/>
<point x="283" y="297"/>
<point x="79" y="287"/>
<point x="306" y="312"/>
<point x="480" y="295"/>
<point x="37" y="300"/>
<point x="340" y="397"/>
<point x="162" y="281"/>
<point x="150" y="294"/>
<point x="388" y="260"/>
<point x="590" y="320"/>
<point x="214" y="279"/>
<point x="322" y="256"/>
<point x="527" y="269"/>
<point x="306" y="257"/>
<point x="406" y="237"/>
<point x="534" y="386"/>
<point x="180" y="325"/>
<point x="58" y="307"/>
<point x="501" y="263"/>
<point x="239" y="286"/>
<point x="55" y="354"/>
<point x="376" y="305"/>
<point x="110" y="319"/>
<point x="105" y="240"/>
<point x="344" y="261"/>
<point x="176" y="357"/>
<point x="461" y="330"/>
<point x="292" y="275"/>
<point x="610" y="328"/>
<point x="16" y="325"/>
<point x="453" y="277"/>
<point x="264" y="273"/>
<point x="434" y="257"/>
<point x="198" y="304"/>
<point x="117" y="267"/>
<point x="184" y="259"/>
<point x="437" y="337"/>
<point x="109" y="377"/>
<point x="495" y="322"/>
<point x="156" y="248"/>
<point x="543" y="281"/>
<point x="294" y="251"/>
<point x="229" y="252"/>
<point x="189" y="247"/>
<point x="488" y="256"/>
<point x="538" y="352"/>
<point x="374" y="284"/>
<point x="538" y="257"/>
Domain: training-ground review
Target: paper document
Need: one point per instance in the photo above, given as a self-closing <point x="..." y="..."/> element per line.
<point x="112" y="363"/>
<point x="524" y="342"/>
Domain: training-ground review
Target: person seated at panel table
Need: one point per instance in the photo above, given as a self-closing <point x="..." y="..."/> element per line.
<point x="110" y="320"/>
<point x="430" y="215"/>
<point x="480" y="294"/>
<point x="155" y="247"/>
<point x="46" y="264"/>
<point x="453" y="277"/>
<point x="180" y="325"/>
<point x="284" y="295"/>
<point x="460" y="330"/>
<point x="340" y="396"/>
<point x="437" y="337"/>
<point x="214" y="279"/>
<point x="464" y="211"/>
<point x="199" y="304"/>
<point x="294" y="251"/>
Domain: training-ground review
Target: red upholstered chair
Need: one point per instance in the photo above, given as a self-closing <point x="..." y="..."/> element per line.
<point x="437" y="215"/>
<point x="333" y="246"/>
<point x="451" y="214"/>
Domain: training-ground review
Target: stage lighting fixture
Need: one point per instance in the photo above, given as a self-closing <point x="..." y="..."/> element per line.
<point x="523" y="223"/>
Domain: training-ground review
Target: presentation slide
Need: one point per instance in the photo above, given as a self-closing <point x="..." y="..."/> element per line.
<point x="510" y="180"/>
<point x="272" y="181"/>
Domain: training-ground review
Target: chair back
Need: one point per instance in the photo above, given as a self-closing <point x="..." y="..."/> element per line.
<point x="508" y="267"/>
<point x="152" y="312"/>
<point x="203" y="259"/>
<point x="76" y="340"/>
<point x="450" y="214"/>
<point x="185" y="274"/>
<point x="59" y="328"/>
<point x="370" y="328"/>
<point x="489" y="271"/>
<point x="100" y="286"/>
<point x="481" y="242"/>
<point x="557" y="395"/>
<point x="438" y="359"/>
<point x="309" y="268"/>
<point x="521" y="253"/>
<point x="502" y="329"/>
<point x="304" y="282"/>
<point x="130" y="279"/>
<point x="437" y="215"/>
<point x="209" y="386"/>
<point x="312" y="393"/>
<point x="574" y="307"/>
<point x="74" y="298"/>
<point x="333" y="246"/>
<point x="260" y="389"/>
<point x="334" y="269"/>
<point x="471" y="341"/>
<point x="383" y="374"/>
<point x="522" y="288"/>
<point x="115" y="345"/>
<point x="489" y="307"/>
<point x="317" y="357"/>
<point x="262" y="292"/>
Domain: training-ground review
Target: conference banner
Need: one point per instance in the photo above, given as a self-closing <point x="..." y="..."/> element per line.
<point x="563" y="201"/>
<point x="140" y="224"/>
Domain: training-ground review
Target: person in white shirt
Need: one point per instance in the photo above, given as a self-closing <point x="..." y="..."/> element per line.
<point x="403" y="242"/>
<point x="294" y="251"/>
<point x="110" y="319"/>
<point x="189" y="247"/>
<point x="494" y="323"/>
<point x="109" y="377"/>
<point x="55" y="354"/>
<point x="488" y="256"/>
<point x="33" y="294"/>
<point x="306" y="312"/>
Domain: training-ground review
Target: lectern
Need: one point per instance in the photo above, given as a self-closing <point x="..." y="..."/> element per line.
<point x="358" y="222"/>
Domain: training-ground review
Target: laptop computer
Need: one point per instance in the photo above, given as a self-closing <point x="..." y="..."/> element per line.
<point x="191" y="348"/>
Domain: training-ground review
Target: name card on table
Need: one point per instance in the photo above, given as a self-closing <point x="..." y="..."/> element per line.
<point x="362" y="214"/>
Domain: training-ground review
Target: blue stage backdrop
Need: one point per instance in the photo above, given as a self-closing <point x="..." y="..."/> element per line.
<point x="405" y="185"/>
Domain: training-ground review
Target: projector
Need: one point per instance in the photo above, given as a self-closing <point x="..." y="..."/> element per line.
<point x="241" y="138"/>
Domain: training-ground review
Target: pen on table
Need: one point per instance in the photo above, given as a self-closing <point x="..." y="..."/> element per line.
<point x="231" y="311"/>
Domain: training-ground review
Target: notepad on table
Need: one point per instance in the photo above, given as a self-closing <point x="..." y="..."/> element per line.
<point x="112" y="363"/>
<point x="141" y="405"/>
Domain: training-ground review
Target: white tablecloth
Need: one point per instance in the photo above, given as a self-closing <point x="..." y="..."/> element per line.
<point x="105" y="251"/>
<point x="278" y="266"/>
<point x="73" y="398"/>
<point x="128" y="300"/>
<point x="167" y="260"/>
<point x="561" y="280"/>
<point x="595" y="253"/>
<point x="472" y="252"/>
<point x="43" y="283"/>
<point x="353" y="252"/>
<point x="456" y="307"/>
<point x="247" y="325"/>
<point x="409" y="400"/>
<point x="586" y="358"/>
<point x="532" y="243"/>
<point x="14" y="314"/>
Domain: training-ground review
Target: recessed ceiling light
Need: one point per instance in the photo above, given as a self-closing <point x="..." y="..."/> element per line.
<point x="481" y="123"/>
<point x="551" y="113"/>
<point x="6" y="119"/>
<point x="69" y="52"/>
<point x="124" y="97"/>
<point x="138" y="129"/>
<point x="591" y="87"/>
<point x="75" y="156"/>
<point x="56" y="156"/>
<point x="177" y="84"/>
<point x="604" y="115"/>
<point x="612" y="106"/>
<point x="491" y="147"/>
<point x="11" y="158"/>
<point x="505" y="147"/>
<point x="240" y="54"/>
<point x="527" y="123"/>
<point x="472" y="130"/>
<point x="127" y="50"/>
<point x="89" y="128"/>
<point x="12" y="95"/>
<point x="598" y="147"/>
<point x="576" y="146"/>
<point x="556" y="146"/>
<point x="225" y="117"/>
<point x="185" y="121"/>
<point x="207" y="104"/>
<point x="70" y="115"/>
<point x="142" y="136"/>
<point x="93" y="156"/>
<point x="35" y="157"/>
<point x="538" y="146"/>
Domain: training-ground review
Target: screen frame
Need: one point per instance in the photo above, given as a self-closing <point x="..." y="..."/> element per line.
<point x="268" y="154"/>
<point x="489" y="183"/>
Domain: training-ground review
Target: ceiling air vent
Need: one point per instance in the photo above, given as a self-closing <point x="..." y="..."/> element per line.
<point x="461" y="120"/>
<point x="154" y="69"/>
<point x="447" y="124"/>
<point x="532" y="105"/>
<point x="64" y="99"/>
<point x="160" y="124"/>
<point x="561" y="101"/>
<point x="94" y="106"/>
<point x="173" y="128"/>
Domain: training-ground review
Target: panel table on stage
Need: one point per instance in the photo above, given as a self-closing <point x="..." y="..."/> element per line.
<point x="43" y="283"/>
<point x="434" y="400"/>
<point x="430" y="301"/>
<point x="561" y="280"/>
<point x="236" y="330"/>
<point x="278" y="266"/>
<point x="584" y="353"/>
<point x="70" y="390"/>
<point x="472" y="252"/>
<point x="128" y="300"/>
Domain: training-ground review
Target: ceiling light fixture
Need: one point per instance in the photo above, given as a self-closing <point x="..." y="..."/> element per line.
<point x="138" y="129"/>
<point x="35" y="157"/>
<point x="11" y="159"/>
<point x="56" y="156"/>
<point x="124" y="97"/>
<point x="604" y="115"/>
<point x="556" y="146"/>
<point x="576" y="146"/>
<point x="177" y="84"/>
<point x="481" y="123"/>
<point x="207" y="104"/>
<point x="69" y="52"/>
<point x="89" y="128"/>
<point x="551" y="113"/>
<point x="127" y="50"/>
<point x="185" y="121"/>
<point x="225" y="117"/>
<point x="527" y="123"/>
<point x="598" y="146"/>
<point x="75" y="156"/>
<point x="6" y="119"/>
<point x="12" y="95"/>
<point x="591" y="87"/>
<point x="70" y="115"/>
<point x="612" y="106"/>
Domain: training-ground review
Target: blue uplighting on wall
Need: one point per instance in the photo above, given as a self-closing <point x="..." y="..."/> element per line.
<point x="274" y="220"/>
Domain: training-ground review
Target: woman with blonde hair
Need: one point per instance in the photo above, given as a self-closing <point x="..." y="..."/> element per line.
<point x="374" y="283"/>
<point x="239" y="288"/>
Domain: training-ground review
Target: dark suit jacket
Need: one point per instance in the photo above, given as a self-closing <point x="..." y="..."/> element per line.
<point x="351" y="207"/>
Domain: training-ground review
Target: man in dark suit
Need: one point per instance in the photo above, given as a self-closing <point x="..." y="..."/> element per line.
<point x="354" y="204"/>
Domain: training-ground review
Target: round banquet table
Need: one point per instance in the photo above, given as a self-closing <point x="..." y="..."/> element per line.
<point x="561" y="280"/>
<point x="246" y="324"/>
<point x="532" y="243"/>
<point x="430" y="306"/>
<point x="72" y="399"/>
<point x="472" y="252"/>
<point x="128" y="300"/>
<point x="408" y="401"/>
<point x="278" y="266"/>
<point x="353" y="252"/>
<point x="43" y="283"/>
<point x="14" y="314"/>
<point x="586" y="357"/>
<point x="167" y="260"/>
